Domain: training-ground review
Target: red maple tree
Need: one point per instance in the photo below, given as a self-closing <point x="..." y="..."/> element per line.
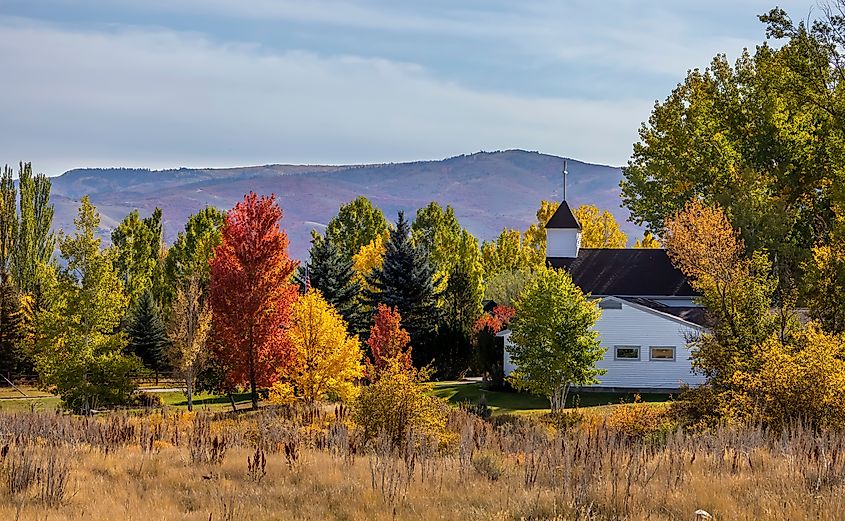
<point x="496" y="321"/>
<point x="251" y="294"/>
<point x="387" y="340"/>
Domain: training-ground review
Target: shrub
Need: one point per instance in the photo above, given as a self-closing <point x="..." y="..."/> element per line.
<point x="489" y="463"/>
<point x="397" y="402"/>
<point x="638" y="420"/>
<point x="145" y="399"/>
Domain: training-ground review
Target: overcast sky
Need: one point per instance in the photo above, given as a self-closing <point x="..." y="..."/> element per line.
<point x="169" y="83"/>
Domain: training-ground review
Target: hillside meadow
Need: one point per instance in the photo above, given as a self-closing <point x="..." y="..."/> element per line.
<point x="304" y="463"/>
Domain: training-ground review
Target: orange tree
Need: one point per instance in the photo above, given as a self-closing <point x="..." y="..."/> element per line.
<point x="388" y="340"/>
<point x="251" y="294"/>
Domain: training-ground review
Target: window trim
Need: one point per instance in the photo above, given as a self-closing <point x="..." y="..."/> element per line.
<point x="625" y="359"/>
<point x="674" y="354"/>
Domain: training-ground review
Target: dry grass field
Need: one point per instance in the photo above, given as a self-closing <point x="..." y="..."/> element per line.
<point x="294" y="464"/>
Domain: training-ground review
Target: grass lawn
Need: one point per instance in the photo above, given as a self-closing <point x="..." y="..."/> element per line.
<point x="511" y="402"/>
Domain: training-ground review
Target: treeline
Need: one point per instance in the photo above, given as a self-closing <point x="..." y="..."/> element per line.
<point x="220" y="308"/>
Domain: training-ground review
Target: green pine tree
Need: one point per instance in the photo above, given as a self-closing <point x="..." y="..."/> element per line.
<point x="330" y="272"/>
<point x="12" y="361"/>
<point x="147" y="333"/>
<point x="407" y="282"/>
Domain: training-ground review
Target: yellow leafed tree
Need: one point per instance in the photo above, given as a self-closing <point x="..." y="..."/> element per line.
<point x="327" y="360"/>
<point x="647" y="242"/>
<point x="368" y="258"/>
<point x="188" y="332"/>
<point x="599" y="229"/>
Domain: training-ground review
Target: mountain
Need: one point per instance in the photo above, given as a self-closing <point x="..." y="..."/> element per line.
<point x="488" y="190"/>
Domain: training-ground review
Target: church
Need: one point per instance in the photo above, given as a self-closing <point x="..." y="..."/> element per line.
<point x="648" y="309"/>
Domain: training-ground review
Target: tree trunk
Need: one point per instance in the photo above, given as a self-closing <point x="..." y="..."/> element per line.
<point x="189" y="391"/>
<point x="252" y="376"/>
<point x="232" y="400"/>
<point x="558" y="398"/>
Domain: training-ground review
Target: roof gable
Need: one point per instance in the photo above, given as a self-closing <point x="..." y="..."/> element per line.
<point x="563" y="218"/>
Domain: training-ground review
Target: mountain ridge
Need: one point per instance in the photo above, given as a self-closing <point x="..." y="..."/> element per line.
<point x="488" y="190"/>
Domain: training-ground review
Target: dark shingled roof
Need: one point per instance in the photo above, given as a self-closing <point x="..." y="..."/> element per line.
<point x="563" y="218"/>
<point x="638" y="272"/>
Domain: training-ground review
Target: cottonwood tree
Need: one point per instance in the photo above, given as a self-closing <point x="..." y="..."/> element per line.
<point x="327" y="359"/>
<point x="554" y="345"/>
<point x="252" y="295"/>
<point x="647" y="242"/>
<point x="32" y="254"/>
<point x="356" y="224"/>
<point x="599" y="228"/>
<point x="192" y="251"/>
<point x="507" y="254"/>
<point x="80" y="351"/>
<point x="188" y="331"/>
<point x="139" y="253"/>
<point x="535" y="236"/>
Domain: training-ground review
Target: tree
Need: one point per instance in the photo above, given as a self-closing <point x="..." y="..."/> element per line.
<point x="387" y="341"/>
<point x="599" y="229"/>
<point x="80" y="351"/>
<point x="535" y="236"/>
<point x="507" y="254"/>
<point x="327" y="359"/>
<point x="461" y="308"/>
<point x="147" y="334"/>
<point x="554" y="344"/>
<point x="439" y="232"/>
<point x="192" y="251"/>
<point x="12" y="358"/>
<point x="647" y="242"/>
<point x="32" y="253"/>
<point x="505" y="287"/>
<point x="139" y="253"/>
<point x="761" y="139"/>
<point x="368" y="258"/>
<point x="8" y="218"/>
<point x="825" y="279"/>
<point x="356" y="224"/>
<point x="188" y="332"/>
<point x="406" y="281"/>
<point x="331" y="272"/>
<point x="252" y="295"/>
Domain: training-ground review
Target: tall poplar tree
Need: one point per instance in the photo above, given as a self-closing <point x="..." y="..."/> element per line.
<point x="139" y="253"/>
<point x="190" y="254"/>
<point x="34" y="242"/>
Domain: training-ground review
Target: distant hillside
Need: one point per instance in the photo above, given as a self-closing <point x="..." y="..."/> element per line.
<point x="489" y="191"/>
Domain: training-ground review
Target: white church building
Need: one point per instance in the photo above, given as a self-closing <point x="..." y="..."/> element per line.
<point x="648" y="310"/>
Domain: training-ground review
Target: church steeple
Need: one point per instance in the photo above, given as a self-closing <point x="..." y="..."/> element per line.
<point x="563" y="231"/>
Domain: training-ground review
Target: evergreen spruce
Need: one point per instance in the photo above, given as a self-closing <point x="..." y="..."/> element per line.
<point x="11" y="330"/>
<point x="406" y="281"/>
<point x="330" y="272"/>
<point x="147" y="333"/>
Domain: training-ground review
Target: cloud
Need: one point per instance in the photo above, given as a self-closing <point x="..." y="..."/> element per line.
<point x="163" y="98"/>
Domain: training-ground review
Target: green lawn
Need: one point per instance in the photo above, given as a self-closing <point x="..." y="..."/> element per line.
<point x="511" y="402"/>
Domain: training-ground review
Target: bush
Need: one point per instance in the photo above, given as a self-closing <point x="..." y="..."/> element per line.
<point x="562" y="420"/>
<point x="397" y="402"/>
<point x="639" y="420"/>
<point x="148" y="400"/>
<point x="489" y="463"/>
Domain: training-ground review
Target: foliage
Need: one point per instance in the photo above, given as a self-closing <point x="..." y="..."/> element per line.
<point x="534" y="240"/>
<point x="146" y="332"/>
<point x="803" y="380"/>
<point x="327" y="359"/>
<point x="139" y="252"/>
<point x="825" y="281"/>
<point x="553" y="341"/>
<point x="397" y="402"/>
<point x="356" y="224"/>
<point x="495" y="321"/>
<point x="189" y="331"/>
<point x="331" y="272"/>
<point x="251" y="294"/>
<point x="439" y="232"/>
<point x="763" y="139"/>
<point x="507" y="254"/>
<point x="406" y="282"/>
<point x="599" y="229"/>
<point x="34" y="242"/>
<point x="387" y="341"/>
<point x="8" y="218"/>
<point x="13" y="359"/>
<point x="461" y="309"/>
<point x="368" y="258"/>
<point x="505" y="287"/>
<point x="647" y="242"/>
<point x="737" y="291"/>
<point x="639" y="420"/>
<point x="193" y="250"/>
<point x="80" y="351"/>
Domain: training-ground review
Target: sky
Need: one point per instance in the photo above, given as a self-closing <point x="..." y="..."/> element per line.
<point x="215" y="83"/>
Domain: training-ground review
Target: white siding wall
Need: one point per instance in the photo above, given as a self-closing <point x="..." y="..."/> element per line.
<point x="631" y="326"/>
<point x="562" y="242"/>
